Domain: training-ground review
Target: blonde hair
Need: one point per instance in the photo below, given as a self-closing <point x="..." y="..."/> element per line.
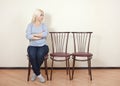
<point x="37" y="13"/>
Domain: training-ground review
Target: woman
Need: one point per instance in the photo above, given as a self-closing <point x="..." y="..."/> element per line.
<point x="36" y="33"/>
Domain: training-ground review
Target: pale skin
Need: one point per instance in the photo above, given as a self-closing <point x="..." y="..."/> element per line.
<point x="37" y="23"/>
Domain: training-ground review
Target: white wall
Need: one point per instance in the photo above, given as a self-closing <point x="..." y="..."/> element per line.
<point x="102" y="17"/>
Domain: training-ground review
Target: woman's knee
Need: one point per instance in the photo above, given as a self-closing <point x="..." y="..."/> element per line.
<point x="31" y="52"/>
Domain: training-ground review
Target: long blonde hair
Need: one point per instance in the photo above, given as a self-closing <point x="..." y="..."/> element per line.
<point x="37" y="13"/>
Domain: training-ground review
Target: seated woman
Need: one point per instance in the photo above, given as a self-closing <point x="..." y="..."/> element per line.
<point x="36" y="33"/>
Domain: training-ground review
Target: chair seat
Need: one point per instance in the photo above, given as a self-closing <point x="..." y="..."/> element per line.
<point x="60" y="54"/>
<point x="82" y="54"/>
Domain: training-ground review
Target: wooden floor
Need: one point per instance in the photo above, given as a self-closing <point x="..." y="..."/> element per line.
<point x="101" y="77"/>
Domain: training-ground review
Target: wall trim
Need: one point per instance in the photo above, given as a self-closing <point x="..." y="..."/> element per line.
<point x="62" y="68"/>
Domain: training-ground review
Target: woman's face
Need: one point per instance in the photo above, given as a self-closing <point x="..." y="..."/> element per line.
<point x="40" y="16"/>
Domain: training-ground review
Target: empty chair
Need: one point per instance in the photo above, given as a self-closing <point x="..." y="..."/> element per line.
<point x="59" y="53"/>
<point x="81" y="49"/>
<point x="45" y="65"/>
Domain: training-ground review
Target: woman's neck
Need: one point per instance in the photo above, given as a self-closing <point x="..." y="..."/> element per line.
<point x="37" y="23"/>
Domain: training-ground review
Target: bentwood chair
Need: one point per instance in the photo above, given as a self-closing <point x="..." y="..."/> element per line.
<point x="81" y="49"/>
<point x="59" y="53"/>
<point x="45" y="65"/>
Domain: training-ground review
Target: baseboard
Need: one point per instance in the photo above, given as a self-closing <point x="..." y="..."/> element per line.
<point x="62" y="68"/>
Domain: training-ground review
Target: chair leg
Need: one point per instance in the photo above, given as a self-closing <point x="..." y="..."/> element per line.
<point x="51" y="71"/>
<point x="73" y="67"/>
<point x="89" y="69"/>
<point x="46" y="70"/>
<point x="66" y="67"/>
<point x="69" y="69"/>
<point x="29" y="69"/>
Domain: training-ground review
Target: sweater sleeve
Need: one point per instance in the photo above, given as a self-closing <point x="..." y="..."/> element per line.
<point x="28" y="32"/>
<point x="45" y="30"/>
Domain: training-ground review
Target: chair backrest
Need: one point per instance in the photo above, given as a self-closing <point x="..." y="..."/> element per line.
<point x="81" y="41"/>
<point x="59" y="41"/>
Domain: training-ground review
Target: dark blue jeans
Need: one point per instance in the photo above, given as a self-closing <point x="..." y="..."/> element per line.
<point x="36" y="56"/>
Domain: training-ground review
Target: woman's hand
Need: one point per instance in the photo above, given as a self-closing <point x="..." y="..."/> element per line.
<point x="37" y="36"/>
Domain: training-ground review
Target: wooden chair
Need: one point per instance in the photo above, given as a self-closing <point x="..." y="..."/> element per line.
<point x="81" y="49"/>
<point x="59" y="50"/>
<point x="45" y="64"/>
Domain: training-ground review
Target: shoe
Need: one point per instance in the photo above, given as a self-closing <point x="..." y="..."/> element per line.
<point x="41" y="78"/>
<point x="33" y="78"/>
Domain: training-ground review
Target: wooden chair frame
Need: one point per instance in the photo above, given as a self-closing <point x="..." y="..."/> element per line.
<point x="81" y="49"/>
<point x="59" y="49"/>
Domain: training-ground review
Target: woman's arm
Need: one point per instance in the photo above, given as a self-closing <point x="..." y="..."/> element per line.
<point x="29" y="34"/>
<point x="45" y="31"/>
